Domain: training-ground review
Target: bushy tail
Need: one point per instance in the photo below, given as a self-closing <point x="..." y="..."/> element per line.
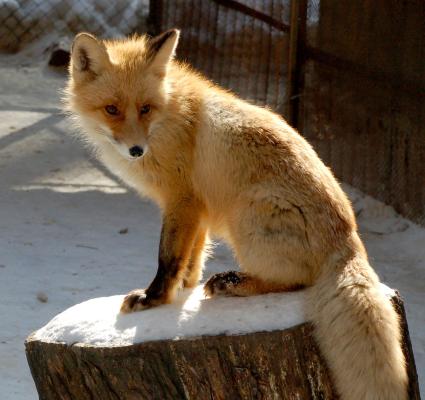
<point x="358" y="332"/>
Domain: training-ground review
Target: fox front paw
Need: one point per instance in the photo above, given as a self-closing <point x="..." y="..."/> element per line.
<point x="223" y="284"/>
<point x="137" y="300"/>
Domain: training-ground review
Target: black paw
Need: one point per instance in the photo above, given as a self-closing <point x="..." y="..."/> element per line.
<point x="223" y="283"/>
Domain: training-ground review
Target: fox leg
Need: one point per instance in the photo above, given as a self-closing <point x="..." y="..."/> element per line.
<point x="179" y="230"/>
<point x="234" y="283"/>
<point x="195" y="266"/>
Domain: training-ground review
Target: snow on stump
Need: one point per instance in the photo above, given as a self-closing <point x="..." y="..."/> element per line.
<point x="196" y="348"/>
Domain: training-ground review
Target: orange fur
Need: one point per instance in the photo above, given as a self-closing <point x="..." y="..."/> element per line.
<point x="217" y="164"/>
<point x="194" y="269"/>
<point x="234" y="283"/>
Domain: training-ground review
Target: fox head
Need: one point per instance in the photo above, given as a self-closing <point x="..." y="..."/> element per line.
<point x="117" y="88"/>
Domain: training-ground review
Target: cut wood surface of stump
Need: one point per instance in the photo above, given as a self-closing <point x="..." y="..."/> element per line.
<point x="225" y="348"/>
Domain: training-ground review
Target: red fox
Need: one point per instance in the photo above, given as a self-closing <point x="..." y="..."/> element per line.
<point x="218" y="165"/>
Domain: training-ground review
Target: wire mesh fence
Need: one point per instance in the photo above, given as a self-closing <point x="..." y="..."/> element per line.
<point x="350" y="75"/>
<point x="24" y="21"/>
<point x="363" y="101"/>
<point x="241" y="45"/>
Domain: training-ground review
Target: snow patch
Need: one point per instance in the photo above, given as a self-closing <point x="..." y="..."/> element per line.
<point x="98" y="321"/>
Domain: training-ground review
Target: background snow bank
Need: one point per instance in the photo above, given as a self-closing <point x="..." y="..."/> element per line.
<point x="98" y="321"/>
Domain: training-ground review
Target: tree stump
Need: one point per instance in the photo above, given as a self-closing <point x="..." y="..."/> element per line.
<point x="204" y="349"/>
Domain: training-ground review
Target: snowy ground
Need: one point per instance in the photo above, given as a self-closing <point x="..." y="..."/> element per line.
<point x="69" y="231"/>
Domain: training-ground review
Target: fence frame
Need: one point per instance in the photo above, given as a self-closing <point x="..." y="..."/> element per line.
<point x="297" y="42"/>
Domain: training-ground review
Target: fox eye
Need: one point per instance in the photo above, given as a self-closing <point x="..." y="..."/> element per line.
<point x="111" y="110"/>
<point x="145" y="109"/>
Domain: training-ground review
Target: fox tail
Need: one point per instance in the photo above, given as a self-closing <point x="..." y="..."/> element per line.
<point x="358" y="331"/>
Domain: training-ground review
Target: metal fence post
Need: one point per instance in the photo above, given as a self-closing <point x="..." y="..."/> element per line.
<point x="297" y="43"/>
<point x="154" y="20"/>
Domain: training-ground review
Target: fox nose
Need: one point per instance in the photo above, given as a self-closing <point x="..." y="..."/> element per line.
<point x="136" y="151"/>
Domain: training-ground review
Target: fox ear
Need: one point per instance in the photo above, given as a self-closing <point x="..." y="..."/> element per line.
<point x="161" y="49"/>
<point x="88" y="57"/>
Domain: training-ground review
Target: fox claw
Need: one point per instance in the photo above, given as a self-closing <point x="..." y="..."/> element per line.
<point x="137" y="300"/>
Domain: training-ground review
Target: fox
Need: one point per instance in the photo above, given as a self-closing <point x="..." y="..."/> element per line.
<point x="219" y="166"/>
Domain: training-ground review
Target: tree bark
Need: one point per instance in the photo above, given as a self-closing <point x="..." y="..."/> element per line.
<point x="264" y="365"/>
